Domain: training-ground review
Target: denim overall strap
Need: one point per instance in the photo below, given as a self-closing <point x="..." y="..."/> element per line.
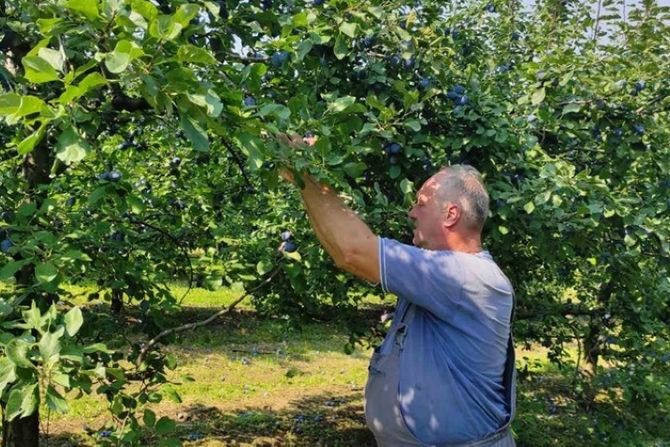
<point x="509" y="382"/>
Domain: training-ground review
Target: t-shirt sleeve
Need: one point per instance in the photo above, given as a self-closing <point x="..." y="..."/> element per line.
<point x="429" y="279"/>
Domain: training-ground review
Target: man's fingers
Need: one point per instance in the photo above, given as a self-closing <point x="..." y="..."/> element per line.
<point x="296" y="140"/>
<point x="310" y="140"/>
<point x="283" y="138"/>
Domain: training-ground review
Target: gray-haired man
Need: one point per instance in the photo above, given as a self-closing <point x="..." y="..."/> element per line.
<point x="444" y="375"/>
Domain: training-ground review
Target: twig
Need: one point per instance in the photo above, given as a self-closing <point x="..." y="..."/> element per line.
<point x="238" y="161"/>
<point x="188" y="326"/>
<point x="579" y="354"/>
<point x="46" y="440"/>
<point x="596" y="23"/>
<point x="247" y="351"/>
<point x="176" y="241"/>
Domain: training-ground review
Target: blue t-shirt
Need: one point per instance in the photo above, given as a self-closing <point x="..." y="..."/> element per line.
<point x="454" y="351"/>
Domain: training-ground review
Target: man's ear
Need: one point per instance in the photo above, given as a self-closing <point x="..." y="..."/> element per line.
<point x="452" y="215"/>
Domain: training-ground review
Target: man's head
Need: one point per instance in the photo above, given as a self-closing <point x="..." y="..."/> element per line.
<point x="450" y="210"/>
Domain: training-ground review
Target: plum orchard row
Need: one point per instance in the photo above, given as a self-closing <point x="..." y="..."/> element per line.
<point x="139" y="148"/>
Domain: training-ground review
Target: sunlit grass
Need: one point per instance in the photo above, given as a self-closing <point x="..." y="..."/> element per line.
<point x="245" y="380"/>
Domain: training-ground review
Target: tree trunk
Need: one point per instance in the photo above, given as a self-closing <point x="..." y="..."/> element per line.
<point x="593" y="342"/>
<point x="23" y="432"/>
<point x="117" y="301"/>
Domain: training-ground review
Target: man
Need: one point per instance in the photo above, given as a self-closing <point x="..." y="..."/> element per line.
<point x="444" y="375"/>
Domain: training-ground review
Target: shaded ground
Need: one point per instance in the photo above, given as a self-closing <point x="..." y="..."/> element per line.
<point x="258" y="382"/>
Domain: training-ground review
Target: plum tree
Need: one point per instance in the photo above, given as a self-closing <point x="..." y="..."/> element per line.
<point x="138" y="147"/>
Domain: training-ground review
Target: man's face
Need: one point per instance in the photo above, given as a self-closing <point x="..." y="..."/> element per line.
<point x="427" y="215"/>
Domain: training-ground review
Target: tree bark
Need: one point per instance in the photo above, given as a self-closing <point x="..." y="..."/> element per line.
<point x="23" y="432"/>
<point x="117" y="301"/>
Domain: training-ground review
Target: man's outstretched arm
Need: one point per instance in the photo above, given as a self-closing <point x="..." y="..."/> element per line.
<point x="344" y="235"/>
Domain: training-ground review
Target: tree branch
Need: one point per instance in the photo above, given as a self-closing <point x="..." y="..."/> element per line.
<point x="188" y="326"/>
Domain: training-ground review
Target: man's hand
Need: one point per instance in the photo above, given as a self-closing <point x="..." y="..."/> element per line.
<point x="344" y="235"/>
<point x="295" y="141"/>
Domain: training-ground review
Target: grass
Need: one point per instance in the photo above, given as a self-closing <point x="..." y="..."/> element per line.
<point x="261" y="382"/>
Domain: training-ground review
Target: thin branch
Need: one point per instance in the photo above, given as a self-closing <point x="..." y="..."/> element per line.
<point x="579" y="353"/>
<point x="188" y="326"/>
<point x="179" y="245"/>
<point x="597" y="21"/>
<point x="238" y="161"/>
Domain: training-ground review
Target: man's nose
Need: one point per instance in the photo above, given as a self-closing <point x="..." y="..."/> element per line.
<point x="412" y="214"/>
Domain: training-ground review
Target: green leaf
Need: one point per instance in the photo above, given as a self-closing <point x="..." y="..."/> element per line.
<point x="75" y="255"/>
<point x="165" y="425"/>
<point x="47" y="25"/>
<point x="17" y="351"/>
<point x="341" y="49"/>
<point x="341" y="104"/>
<point x="171" y="361"/>
<point x="6" y="308"/>
<point x="252" y="147"/>
<point x="50" y="345"/>
<point x="406" y="186"/>
<point x="55" y="401"/>
<point x="263" y="267"/>
<point x="9" y="103"/>
<point x="196" y="135"/>
<point x="74" y="92"/>
<point x="38" y="70"/>
<point x="572" y="107"/>
<point x="72" y="353"/>
<point x="278" y="110"/>
<point x="61" y="379"/>
<point x="164" y="28"/>
<point x="135" y="203"/>
<point x="15" y="107"/>
<point x="376" y="11"/>
<point x="149" y="418"/>
<point x="12" y="267"/>
<point x="538" y="96"/>
<point x="503" y="230"/>
<point x="23" y="401"/>
<point x="169" y="442"/>
<point x="529" y="207"/>
<point x="172" y="394"/>
<point x="53" y="57"/>
<point x="71" y="146"/>
<point x="354" y="169"/>
<point x="71" y="93"/>
<point x="210" y="101"/>
<point x="92" y="81"/>
<point x="28" y="144"/>
<point x="73" y="321"/>
<point x="145" y="8"/>
<point x="46" y="272"/>
<point x="33" y="317"/>
<point x="97" y="195"/>
<point x="415" y="125"/>
<point x="349" y="29"/>
<point x="304" y="48"/>
<point x="186" y="13"/>
<point x="7" y="373"/>
<point x="97" y="347"/>
<point x="195" y="55"/>
<point x="124" y="53"/>
<point x="87" y="8"/>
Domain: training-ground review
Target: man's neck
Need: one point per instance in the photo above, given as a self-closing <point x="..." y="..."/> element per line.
<point x="466" y="244"/>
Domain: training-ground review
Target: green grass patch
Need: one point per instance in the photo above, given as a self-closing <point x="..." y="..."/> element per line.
<point x="247" y="380"/>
